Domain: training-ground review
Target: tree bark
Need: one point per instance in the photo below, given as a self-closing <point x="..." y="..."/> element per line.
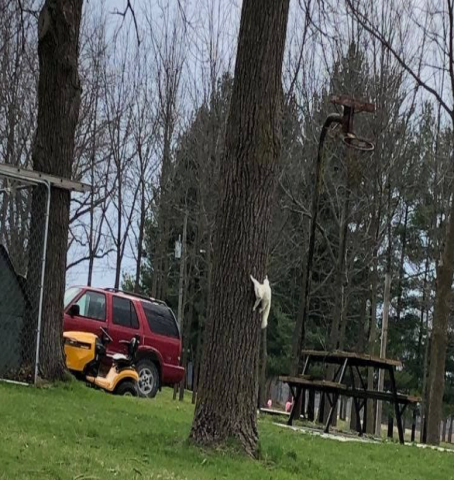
<point x="53" y="149"/>
<point x="226" y="403"/>
<point x="443" y="297"/>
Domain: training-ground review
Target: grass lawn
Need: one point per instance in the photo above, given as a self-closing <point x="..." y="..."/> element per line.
<point x="76" y="433"/>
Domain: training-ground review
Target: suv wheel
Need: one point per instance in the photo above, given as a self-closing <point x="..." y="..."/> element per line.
<point x="148" y="378"/>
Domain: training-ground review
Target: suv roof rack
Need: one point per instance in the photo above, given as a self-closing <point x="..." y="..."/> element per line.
<point x="133" y="294"/>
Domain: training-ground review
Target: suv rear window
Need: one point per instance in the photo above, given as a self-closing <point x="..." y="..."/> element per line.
<point x="124" y="313"/>
<point x="161" y="320"/>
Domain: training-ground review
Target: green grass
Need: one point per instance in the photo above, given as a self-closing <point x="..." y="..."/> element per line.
<point x="75" y="433"/>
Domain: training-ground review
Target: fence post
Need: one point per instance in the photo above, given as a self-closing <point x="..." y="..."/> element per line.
<point x="41" y="287"/>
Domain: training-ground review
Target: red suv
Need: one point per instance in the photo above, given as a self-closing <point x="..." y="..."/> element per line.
<point x="126" y="315"/>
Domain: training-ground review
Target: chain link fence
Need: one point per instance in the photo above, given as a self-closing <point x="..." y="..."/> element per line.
<point x="24" y="209"/>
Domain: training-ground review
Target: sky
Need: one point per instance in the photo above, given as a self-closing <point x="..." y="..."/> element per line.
<point x="196" y="15"/>
<point x="197" y="12"/>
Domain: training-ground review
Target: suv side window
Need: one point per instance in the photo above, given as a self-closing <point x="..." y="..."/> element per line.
<point x="124" y="313"/>
<point x="161" y="320"/>
<point x="93" y="305"/>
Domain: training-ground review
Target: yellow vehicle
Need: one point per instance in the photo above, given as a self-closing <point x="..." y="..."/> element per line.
<point x="87" y="359"/>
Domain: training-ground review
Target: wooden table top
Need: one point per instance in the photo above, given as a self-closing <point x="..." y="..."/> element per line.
<point x="358" y="359"/>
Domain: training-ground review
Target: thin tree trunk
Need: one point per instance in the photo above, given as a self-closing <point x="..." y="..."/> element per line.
<point x="340" y="271"/>
<point x="182" y="285"/>
<point x="425" y="389"/>
<point x="372" y="338"/>
<point x="450" y="429"/>
<point x="187" y="332"/>
<point x="197" y="365"/>
<point x="383" y="345"/>
<point x="159" y="285"/>
<point x="201" y="325"/>
<point x="413" y="426"/>
<point x="359" y="348"/>
<point x="443" y="435"/>
<point x="226" y="404"/>
<point x="343" y="409"/>
<point x="311" y="406"/>
<point x="141" y="231"/>
<point x="386" y="306"/>
<point x="118" y="239"/>
<point x="423" y="307"/>
<point x="402" y="266"/>
<point x="390" y="426"/>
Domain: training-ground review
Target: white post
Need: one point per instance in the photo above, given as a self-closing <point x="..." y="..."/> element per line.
<point x="383" y="343"/>
<point x="180" y="313"/>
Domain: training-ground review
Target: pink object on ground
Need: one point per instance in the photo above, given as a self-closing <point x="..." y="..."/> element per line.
<point x="288" y="406"/>
<point x="269" y="403"/>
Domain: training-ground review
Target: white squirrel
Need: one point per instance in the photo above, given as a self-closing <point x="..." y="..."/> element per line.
<point x="263" y="295"/>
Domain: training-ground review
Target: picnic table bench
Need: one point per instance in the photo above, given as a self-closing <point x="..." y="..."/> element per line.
<point x="356" y="388"/>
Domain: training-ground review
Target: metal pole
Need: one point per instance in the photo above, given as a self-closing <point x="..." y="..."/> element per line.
<point x="43" y="273"/>
<point x="332" y="118"/>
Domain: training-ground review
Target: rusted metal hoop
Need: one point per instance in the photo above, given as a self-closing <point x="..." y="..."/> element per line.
<point x="358" y="143"/>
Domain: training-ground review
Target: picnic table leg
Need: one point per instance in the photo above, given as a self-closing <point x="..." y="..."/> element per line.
<point x="331" y="412"/>
<point x="335" y="397"/>
<point x="306" y="364"/>
<point x="300" y="403"/>
<point x="295" y="403"/>
<point x="357" y="410"/>
<point x="396" y="405"/>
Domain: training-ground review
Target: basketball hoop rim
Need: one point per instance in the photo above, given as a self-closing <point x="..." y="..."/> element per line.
<point x="368" y="146"/>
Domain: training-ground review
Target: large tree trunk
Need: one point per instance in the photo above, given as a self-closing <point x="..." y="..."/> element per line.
<point x="443" y="297"/>
<point x="226" y="404"/>
<point x="58" y="111"/>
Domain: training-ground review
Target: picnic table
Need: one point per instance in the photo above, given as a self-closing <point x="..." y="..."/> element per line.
<point x="356" y="387"/>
